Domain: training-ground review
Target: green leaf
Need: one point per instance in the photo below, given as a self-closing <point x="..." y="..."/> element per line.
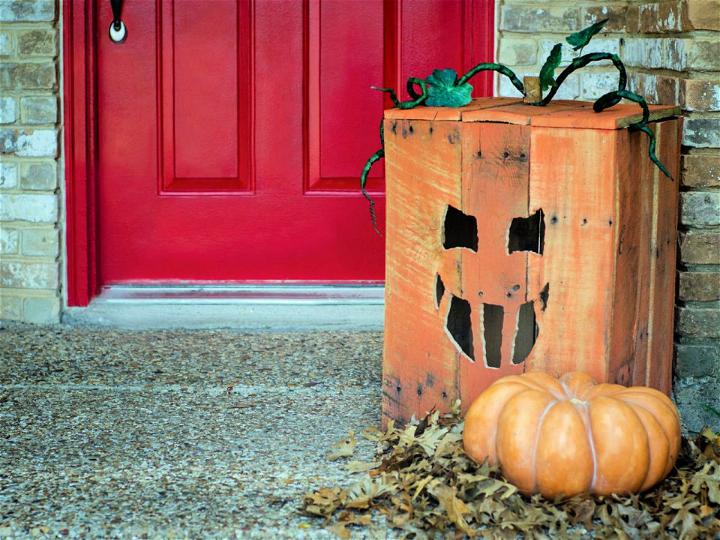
<point x="579" y="39"/>
<point x="443" y="91"/>
<point x="547" y="72"/>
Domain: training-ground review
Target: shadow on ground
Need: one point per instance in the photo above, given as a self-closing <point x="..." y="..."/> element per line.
<point x="114" y="433"/>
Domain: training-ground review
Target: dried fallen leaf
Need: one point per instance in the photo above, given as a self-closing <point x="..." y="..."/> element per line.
<point x="340" y="530"/>
<point x="361" y="466"/>
<point x="345" y="447"/>
<point x="425" y="485"/>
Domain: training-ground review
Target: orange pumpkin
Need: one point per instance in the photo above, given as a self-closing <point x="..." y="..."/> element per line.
<point x="570" y="436"/>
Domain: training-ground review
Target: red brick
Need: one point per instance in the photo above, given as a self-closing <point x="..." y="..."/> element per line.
<point x="701" y="170"/>
<point x="700" y="95"/>
<point x="703" y="14"/>
<point x="699" y="286"/>
<point x="700" y="247"/>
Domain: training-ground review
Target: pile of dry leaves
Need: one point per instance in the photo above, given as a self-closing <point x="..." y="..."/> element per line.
<point x="425" y="486"/>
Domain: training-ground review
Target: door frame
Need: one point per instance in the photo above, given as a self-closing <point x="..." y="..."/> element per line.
<point x="80" y="156"/>
<point x="80" y="32"/>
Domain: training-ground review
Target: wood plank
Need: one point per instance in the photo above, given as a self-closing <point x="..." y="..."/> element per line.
<point x="663" y="253"/>
<point x="423" y="168"/>
<point x="452" y="113"/>
<point x="575" y="190"/>
<point x="495" y="175"/>
<point x="617" y="117"/>
<point x="448" y="113"/>
<point x="521" y="113"/>
<point x="631" y="282"/>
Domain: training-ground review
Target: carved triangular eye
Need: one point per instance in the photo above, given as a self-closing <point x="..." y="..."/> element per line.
<point x="527" y="234"/>
<point x="459" y="230"/>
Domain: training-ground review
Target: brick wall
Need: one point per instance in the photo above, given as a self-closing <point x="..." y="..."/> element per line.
<point x="672" y="51"/>
<point x="29" y="137"/>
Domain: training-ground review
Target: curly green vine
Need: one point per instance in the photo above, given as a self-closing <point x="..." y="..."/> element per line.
<point x="611" y="98"/>
<point x="443" y="88"/>
<point x="579" y="63"/>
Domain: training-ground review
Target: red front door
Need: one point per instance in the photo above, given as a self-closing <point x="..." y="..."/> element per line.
<point x="231" y="134"/>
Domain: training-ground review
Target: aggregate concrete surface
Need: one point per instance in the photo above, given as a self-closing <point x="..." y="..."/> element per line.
<point x="175" y="434"/>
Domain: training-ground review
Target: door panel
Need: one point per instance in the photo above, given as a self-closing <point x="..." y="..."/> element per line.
<point x="433" y="35"/>
<point x="206" y="86"/>
<point x="231" y="133"/>
<point x="345" y="58"/>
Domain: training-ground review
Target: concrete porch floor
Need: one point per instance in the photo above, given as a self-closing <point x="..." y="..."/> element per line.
<point x="110" y="433"/>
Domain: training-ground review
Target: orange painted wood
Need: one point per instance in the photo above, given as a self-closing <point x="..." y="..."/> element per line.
<point x="628" y="355"/>
<point x="620" y="116"/>
<point x="521" y="113"/>
<point x="423" y="159"/>
<point x="575" y="189"/>
<point x="495" y="177"/>
<point x="663" y="254"/>
<point x="599" y="295"/>
<point x="446" y="113"/>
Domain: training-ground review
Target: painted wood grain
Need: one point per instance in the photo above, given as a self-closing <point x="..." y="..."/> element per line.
<point x="571" y="179"/>
<point x="423" y="171"/>
<point x="602" y="288"/>
<point x="617" y="117"/>
<point x="448" y="113"/>
<point x="495" y="175"/>
<point x="663" y="255"/>
<point x="521" y="113"/>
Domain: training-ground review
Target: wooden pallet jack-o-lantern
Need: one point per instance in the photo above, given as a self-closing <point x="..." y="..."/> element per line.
<point x="525" y="238"/>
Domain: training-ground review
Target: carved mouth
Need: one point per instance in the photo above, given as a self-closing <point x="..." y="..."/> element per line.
<point x="459" y="318"/>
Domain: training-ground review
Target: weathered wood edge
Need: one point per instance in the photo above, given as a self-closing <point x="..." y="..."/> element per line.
<point x="486" y="108"/>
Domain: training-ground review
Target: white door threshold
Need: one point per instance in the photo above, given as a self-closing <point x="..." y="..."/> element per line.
<point x="242" y="307"/>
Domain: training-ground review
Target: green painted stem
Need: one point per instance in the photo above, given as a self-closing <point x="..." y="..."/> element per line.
<point x="490" y="66"/>
<point x="363" y="181"/>
<point x="581" y="62"/>
<point x="608" y="100"/>
<point x="612" y="98"/>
